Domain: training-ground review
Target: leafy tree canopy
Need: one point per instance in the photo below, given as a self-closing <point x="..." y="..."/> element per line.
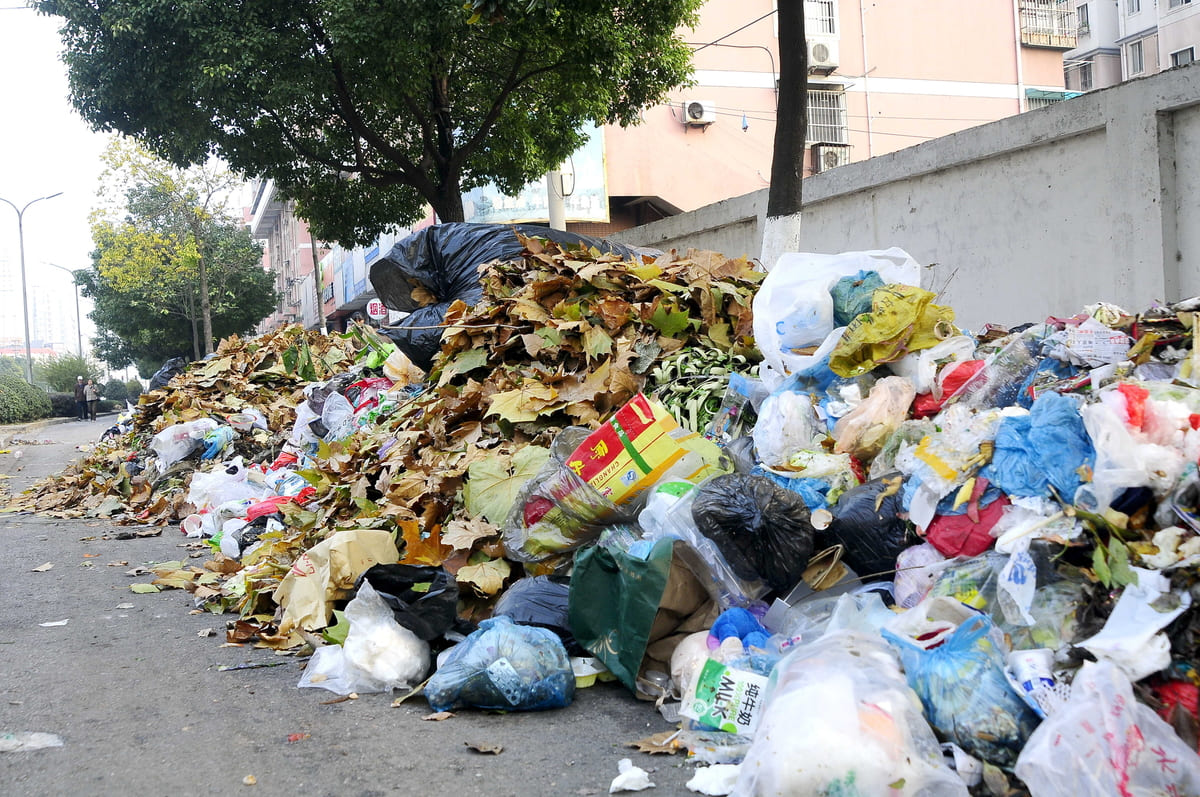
<point x="145" y="282"/>
<point x="364" y="112"/>
<point x="59" y="373"/>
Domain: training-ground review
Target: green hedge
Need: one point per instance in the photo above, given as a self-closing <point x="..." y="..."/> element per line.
<point x="62" y="405"/>
<point x="21" y="402"/>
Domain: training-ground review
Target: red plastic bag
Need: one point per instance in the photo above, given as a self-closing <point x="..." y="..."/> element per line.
<point x="970" y="533"/>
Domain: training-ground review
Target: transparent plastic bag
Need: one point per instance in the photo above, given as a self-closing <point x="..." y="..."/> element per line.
<point x="557" y="511"/>
<point x="840" y="719"/>
<point x="702" y="556"/>
<point x="504" y="666"/>
<point x="177" y="441"/>
<point x="1105" y="742"/>
<point x="379" y="654"/>
<point x="863" y="431"/>
<point x="787" y="423"/>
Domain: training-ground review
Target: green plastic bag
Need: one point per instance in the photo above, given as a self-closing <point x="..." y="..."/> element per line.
<point x="631" y="612"/>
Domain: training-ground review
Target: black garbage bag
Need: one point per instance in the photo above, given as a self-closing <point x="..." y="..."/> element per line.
<point x="763" y="529"/>
<point x="430" y="269"/>
<point x="428" y="613"/>
<point x="872" y="536"/>
<point x="541" y="601"/>
<point x="173" y="366"/>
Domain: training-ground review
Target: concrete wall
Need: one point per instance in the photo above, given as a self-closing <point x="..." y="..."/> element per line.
<point x="1093" y="199"/>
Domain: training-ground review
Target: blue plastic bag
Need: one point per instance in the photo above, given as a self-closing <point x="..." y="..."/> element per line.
<point x="965" y="693"/>
<point x="1043" y="449"/>
<point x="504" y="666"/>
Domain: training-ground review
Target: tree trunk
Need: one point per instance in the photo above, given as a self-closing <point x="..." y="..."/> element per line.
<point x="781" y="229"/>
<point x="191" y="316"/>
<point x="205" y="299"/>
<point x="448" y="204"/>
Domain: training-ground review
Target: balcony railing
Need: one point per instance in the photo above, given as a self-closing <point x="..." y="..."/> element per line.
<point x="1048" y="23"/>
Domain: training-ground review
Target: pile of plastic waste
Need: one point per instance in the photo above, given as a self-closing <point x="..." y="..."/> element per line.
<point x="893" y="557"/>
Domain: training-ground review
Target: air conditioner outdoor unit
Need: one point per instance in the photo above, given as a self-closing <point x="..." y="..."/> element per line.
<point x="822" y="55"/>
<point x="829" y="156"/>
<point x="699" y="112"/>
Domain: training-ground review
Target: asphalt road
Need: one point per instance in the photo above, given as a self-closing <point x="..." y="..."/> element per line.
<point x="132" y="686"/>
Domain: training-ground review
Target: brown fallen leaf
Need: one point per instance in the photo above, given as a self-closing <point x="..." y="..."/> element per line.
<point x="665" y="743"/>
<point x="342" y="699"/>
<point x="438" y="716"/>
<point x="484" y="747"/>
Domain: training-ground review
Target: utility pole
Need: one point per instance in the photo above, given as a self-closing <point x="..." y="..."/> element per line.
<point x="24" y="291"/>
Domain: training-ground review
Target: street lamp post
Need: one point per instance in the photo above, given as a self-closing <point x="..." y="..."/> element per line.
<point x="78" y="323"/>
<point x="24" y="291"/>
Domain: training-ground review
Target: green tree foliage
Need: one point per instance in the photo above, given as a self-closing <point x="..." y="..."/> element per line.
<point x="115" y="390"/>
<point x="165" y="245"/>
<point x="364" y="112"/>
<point x="12" y="366"/>
<point x="21" y="401"/>
<point x="133" y="389"/>
<point x="59" y="373"/>
<point x="146" y="282"/>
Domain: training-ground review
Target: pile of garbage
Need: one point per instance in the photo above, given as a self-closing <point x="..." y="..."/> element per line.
<point x="847" y="546"/>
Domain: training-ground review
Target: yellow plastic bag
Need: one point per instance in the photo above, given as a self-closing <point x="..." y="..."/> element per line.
<point x="903" y="319"/>
<point x="326" y="573"/>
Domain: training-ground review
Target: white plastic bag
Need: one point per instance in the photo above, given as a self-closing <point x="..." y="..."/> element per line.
<point x="1125" y="457"/>
<point x="840" y="719"/>
<point x="338" y="417"/>
<point x="922" y="367"/>
<point x="1130" y="637"/>
<point x="177" y="441"/>
<point x="794" y="309"/>
<point x="379" y="655"/>
<point x="225" y="482"/>
<point x="1105" y="742"/>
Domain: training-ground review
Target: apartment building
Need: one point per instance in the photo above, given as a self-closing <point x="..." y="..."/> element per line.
<point x="882" y="77"/>
<point x="1123" y="39"/>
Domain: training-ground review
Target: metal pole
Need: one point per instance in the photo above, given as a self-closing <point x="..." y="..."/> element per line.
<point x="78" y="321"/>
<point x="24" y="291"/>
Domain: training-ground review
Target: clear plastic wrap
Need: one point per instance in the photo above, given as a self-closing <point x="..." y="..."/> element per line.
<point x="1105" y="742"/>
<point x="840" y="719"/>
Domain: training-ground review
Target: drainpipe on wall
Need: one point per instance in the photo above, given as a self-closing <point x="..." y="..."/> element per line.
<point x="1020" y="68"/>
<point x="862" y="26"/>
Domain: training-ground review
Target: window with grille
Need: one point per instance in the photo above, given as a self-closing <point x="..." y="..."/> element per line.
<point x="1183" y="57"/>
<point x="1133" y="7"/>
<point x="1085" y="77"/>
<point x="1137" y="63"/>
<point x="826" y="117"/>
<point x="1081" y="19"/>
<point x="820" y="16"/>
<point x="1178" y="3"/>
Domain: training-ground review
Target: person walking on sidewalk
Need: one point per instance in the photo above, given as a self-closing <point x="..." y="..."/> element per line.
<point x="80" y="399"/>
<point x="92" y="394"/>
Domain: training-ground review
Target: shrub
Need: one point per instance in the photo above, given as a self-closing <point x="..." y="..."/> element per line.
<point x="115" y="390"/>
<point x="21" y="401"/>
<point x="62" y="405"/>
<point x="133" y="389"/>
